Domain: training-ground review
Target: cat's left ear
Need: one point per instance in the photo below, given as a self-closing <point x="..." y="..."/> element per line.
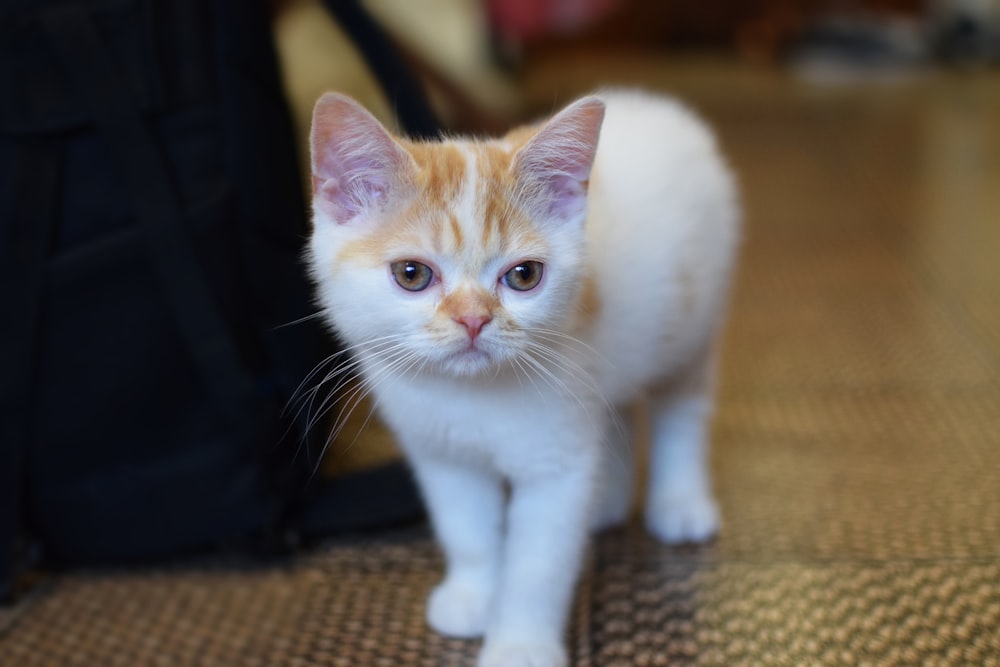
<point x="554" y="167"/>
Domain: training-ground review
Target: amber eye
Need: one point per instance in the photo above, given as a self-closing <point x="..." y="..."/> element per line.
<point x="412" y="276"/>
<point x="524" y="276"/>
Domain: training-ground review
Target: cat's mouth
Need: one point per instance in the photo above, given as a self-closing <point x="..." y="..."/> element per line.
<point x="471" y="359"/>
<point x="473" y="352"/>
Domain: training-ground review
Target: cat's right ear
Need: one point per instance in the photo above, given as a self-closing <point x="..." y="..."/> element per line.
<point x="356" y="164"/>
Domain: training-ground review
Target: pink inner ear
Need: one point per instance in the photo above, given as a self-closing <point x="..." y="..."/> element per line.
<point x="568" y="195"/>
<point x="355" y="162"/>
<point x="556" y="163"/>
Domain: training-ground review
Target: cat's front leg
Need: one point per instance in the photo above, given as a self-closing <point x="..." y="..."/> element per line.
<point x="546" y="538"/>
<point x="466" y="510"/>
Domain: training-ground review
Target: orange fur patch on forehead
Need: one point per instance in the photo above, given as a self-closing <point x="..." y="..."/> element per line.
<point x="457" y="237"/>
<point x="441" y="169"/>
<point x="392" y="239"/>
<point x="364" y="251"/>
<point x="441" y="178"/>
<point x="496" y="186"/>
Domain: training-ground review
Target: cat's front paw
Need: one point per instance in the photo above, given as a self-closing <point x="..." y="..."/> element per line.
<point x="679" y="519"/>
<point x="459" y="609"/>
<point x="523" y="654"/>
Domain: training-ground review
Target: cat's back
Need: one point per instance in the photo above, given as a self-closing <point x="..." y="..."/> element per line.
<point x="654" y="148"/>
<point x="662" y="232"/>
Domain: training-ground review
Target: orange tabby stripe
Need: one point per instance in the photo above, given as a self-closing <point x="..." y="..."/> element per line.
<point x="496" y="183"/>
<point x="441" y="171"/>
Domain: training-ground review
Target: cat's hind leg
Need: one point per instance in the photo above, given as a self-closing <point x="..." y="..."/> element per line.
<point x="680" y="506"/>
<point x="615" y="482"/>
<point x="466" y="508"/>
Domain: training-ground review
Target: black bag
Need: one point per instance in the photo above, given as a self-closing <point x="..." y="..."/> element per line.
<point x="151" y="225"/>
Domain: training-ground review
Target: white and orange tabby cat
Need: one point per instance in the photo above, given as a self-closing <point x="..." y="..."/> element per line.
<point x="506" y="301"/>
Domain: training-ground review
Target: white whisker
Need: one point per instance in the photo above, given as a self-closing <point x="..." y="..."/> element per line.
<point x="357" y="394"/>
<point x="392" y="369"/>
<point x="569" y="342"/>
<point x="554" y="381"/>
<point x="580" y="375"/>
<point x="346" y="371"/>
<point x="411" y="361"/>
<point x="343" y="352"/>
<point x="306" y="318"/>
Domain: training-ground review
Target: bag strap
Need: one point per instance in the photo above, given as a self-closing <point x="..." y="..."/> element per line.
<point x="30" y="228"/>
<point x="76" y="41"/>
<point x="385" y="61"/>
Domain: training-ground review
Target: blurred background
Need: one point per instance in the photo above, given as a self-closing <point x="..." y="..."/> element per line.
<point x="490" y="62"/>
<point x="856" y="442"/>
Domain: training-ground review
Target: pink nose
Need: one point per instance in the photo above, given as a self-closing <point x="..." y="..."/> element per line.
<point x="473" y="323"/>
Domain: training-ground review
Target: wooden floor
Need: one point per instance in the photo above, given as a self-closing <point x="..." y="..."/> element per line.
<point x="857" y="440"/>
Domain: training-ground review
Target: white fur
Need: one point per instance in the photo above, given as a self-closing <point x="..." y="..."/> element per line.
<point x="661" y="234"/>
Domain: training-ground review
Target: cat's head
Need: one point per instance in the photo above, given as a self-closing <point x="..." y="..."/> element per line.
<point x="454" y="256"/>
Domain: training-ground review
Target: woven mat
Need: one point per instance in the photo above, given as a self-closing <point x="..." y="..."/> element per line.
<point x="639" y="604"/>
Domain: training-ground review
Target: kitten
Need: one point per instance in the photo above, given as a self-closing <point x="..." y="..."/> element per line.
<point x="506" y="301"/>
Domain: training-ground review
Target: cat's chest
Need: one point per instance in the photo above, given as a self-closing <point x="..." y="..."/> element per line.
<point x="498" y="425"/>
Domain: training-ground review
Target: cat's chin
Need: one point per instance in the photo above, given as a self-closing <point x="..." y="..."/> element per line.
<point x="469" y="364"/>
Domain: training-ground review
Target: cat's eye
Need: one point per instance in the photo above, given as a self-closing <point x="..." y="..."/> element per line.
<point x="412" y="276"/>
<point x="524" y="276"/>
